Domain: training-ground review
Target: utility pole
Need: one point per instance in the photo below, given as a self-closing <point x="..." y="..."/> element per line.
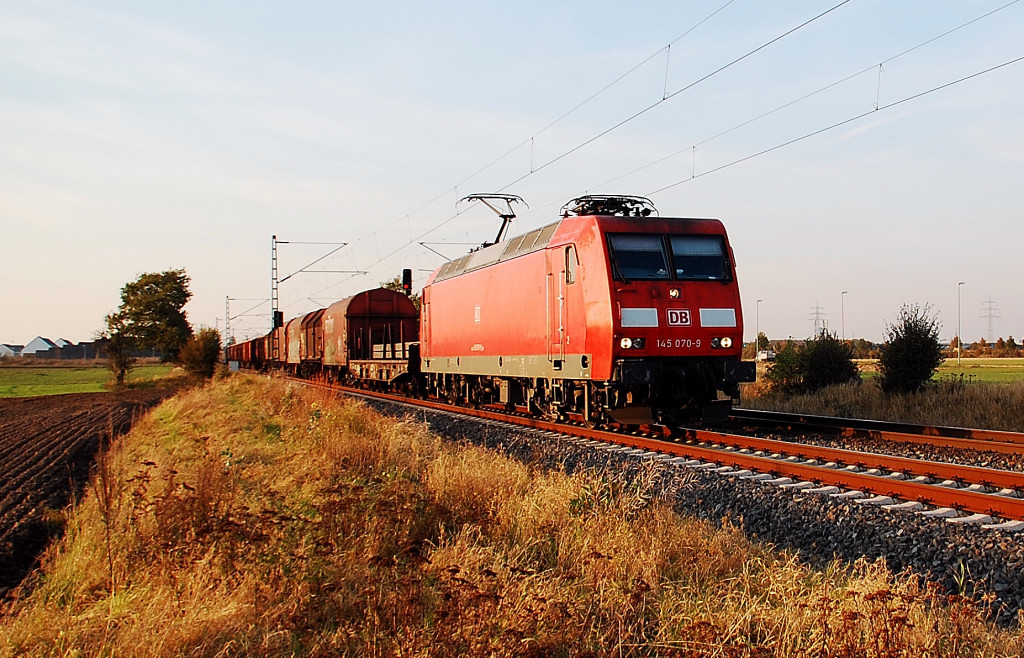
<point x="990" y="311"/>
<point x="959" y="332"/>
<point x="843" y="298"/>
<point x="757" y="328"/>
<point x="818" y="315"/>
<point x="276" y="317"/>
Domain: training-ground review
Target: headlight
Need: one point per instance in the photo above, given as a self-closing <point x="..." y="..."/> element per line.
<point x="632" y="343"/>
<point x="727" y="342"/>
<point x="724" y="342"/>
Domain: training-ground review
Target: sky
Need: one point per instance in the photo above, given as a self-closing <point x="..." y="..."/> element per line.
<point x="864" y="146"/>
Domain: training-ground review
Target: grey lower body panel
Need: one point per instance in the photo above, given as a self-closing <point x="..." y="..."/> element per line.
<point x="569" y="366"/>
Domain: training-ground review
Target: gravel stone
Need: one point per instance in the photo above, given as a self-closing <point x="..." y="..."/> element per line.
<point x="963" y="558"/>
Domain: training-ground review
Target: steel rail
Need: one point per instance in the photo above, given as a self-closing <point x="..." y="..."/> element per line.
<point x="932" y="435"/>
<point x="908" y="466"/>
<point x="996" y="505"/>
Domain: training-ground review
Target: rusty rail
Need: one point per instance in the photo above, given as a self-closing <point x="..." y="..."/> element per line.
<point x="742" y="456"/>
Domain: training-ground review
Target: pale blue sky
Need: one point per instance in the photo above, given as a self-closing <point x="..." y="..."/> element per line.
<point x="137" y="137"/>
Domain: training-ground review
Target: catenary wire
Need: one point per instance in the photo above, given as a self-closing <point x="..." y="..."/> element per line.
<point x="636" y="115"/>
<point x="673" y="95"/>
<point x="550" y="125"/>
<point x="840" y="123"/>
<point x="454" y="216"/>
<point x="806" y="96"/>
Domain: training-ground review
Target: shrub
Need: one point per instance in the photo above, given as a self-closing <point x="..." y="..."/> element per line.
<point x="826" y="361"/>
<point x="818" y="363"/>
<point x="200" y="354"/>
<point x="785" y="374"/>
<point x="912" y="352"/>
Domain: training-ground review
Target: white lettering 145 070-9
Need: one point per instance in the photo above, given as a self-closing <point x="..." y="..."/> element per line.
<point x="679" y="342"/>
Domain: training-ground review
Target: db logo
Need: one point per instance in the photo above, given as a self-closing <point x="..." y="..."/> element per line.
<point x="679" y="317"/>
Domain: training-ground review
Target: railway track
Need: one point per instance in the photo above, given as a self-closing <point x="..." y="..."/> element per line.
<point x="961" y="494"/>
<point x="700" y="476"/>
<point x="928" y="435"/>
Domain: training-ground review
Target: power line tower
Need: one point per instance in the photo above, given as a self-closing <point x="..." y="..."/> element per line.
<point x="990" y="311"/>
<point x="817" y="314"/>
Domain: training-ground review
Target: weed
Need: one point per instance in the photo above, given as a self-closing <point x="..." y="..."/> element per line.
<point x="353" y="534"/>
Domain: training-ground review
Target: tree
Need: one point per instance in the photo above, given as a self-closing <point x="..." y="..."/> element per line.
<point x="862" y="349"/>
<point x="151" y="312"/>
<point x="954" y="344"/>
<point x="396" y="285"/>
<point x="201" y="353"/>
<point x="911" y="352"/>
<point x="120" y="348"/>
<point x="762" y="341"/>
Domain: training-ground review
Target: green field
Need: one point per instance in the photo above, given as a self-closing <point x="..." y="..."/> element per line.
<point x="997" y="371"/>
<point x="994" y="371"/>
<point x="27" y="381"/>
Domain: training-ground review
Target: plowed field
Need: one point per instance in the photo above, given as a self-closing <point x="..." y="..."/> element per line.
<point x="47" y="445"/>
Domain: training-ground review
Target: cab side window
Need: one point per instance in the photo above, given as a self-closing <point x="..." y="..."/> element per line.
<point x="570" y="264"/>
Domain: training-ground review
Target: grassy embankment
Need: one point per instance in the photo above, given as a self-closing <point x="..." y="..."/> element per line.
<point x="990" y="395"/>
<point x="18" y="379"/>
<point x="254" y="518"/>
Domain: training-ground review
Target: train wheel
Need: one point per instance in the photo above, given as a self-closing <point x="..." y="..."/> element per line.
<point x="593" y="413"/>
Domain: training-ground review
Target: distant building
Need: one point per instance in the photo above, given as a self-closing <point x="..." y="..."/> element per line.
<point x="63" y="342"/>
<point x="84" y="350"/>
<point x="37" y="344"/>
<point x="7" y="349"/>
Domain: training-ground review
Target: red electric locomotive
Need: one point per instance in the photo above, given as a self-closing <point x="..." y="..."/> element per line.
<point x="608" y="314"/>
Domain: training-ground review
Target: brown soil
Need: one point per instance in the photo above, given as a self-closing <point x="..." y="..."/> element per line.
<point x="47" y="446"/>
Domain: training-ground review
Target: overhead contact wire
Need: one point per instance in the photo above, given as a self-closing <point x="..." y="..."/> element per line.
<point x="674" y="94"/>
<point x="840" y="123"/>
<point x="566" y="114"/>
<point x="806" y="96"/>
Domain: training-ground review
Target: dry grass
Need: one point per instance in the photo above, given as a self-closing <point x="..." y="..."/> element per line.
<point x="948" y="403"/>
<point x="252" y="518"/>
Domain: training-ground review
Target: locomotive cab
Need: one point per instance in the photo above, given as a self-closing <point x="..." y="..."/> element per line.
<point x="678" y="333"/>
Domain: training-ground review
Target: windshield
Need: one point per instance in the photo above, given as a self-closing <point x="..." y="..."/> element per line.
<point x="698" y="257"/>
<point x="638" y="256"/>
<point x="693" y="257"/>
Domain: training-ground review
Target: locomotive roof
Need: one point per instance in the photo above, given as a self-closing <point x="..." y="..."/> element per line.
<point x="520" y="245"/>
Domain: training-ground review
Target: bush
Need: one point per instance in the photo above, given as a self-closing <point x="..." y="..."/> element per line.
<point x="826" y="361"/>
<point x="785" y="373"/>
<point x="200" y="354"/>
<point x="912" y="352"/>
<point x="820" y="362"/>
